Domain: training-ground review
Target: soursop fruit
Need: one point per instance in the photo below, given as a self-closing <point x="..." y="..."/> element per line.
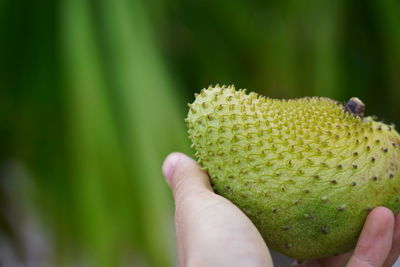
<point x="305" y="171"/>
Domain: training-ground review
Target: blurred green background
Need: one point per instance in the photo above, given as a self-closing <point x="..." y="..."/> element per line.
<point x="93" y="95"/>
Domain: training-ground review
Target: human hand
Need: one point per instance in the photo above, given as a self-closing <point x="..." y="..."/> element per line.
<point x="211" y="231"/>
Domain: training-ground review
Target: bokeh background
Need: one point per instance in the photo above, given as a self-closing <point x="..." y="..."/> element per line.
<point x="93" y="96"/>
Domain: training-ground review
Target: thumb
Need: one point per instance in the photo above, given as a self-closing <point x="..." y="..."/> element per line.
<point x="184" y="175"/>
<point x="191" y="189"/>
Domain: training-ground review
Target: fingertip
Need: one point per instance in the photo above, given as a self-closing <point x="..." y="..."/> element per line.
<point x="169" y="165"/>
<point x="381" y="214"/>
<point x="379" y="221"/>
<point x="179" y="167"/>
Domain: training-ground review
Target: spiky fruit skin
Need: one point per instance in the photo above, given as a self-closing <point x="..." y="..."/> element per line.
<point x="305" y="172"/>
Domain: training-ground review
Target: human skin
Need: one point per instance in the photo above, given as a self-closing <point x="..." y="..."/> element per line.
<point x="211" y="231"/>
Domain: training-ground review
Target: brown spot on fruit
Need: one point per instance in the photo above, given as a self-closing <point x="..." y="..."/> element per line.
<point x="325" y="230"/>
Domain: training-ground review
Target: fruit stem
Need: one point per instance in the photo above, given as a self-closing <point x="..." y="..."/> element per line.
<point x="355" y="107"/>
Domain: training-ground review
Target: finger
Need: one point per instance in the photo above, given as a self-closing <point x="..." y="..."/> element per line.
<point x="395" y="251"/>
<point x="375" y="240"/>
<point x="184" y="175"/>
<point x="191" y="189"/>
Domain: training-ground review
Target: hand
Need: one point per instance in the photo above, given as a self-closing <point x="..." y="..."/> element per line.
<point x="211" y="231"/>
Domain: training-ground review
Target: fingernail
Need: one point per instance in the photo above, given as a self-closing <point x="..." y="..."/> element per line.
<point x="169" y="166"/>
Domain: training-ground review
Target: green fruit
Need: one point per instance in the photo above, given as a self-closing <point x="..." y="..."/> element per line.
<point x="305" y="171"/>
